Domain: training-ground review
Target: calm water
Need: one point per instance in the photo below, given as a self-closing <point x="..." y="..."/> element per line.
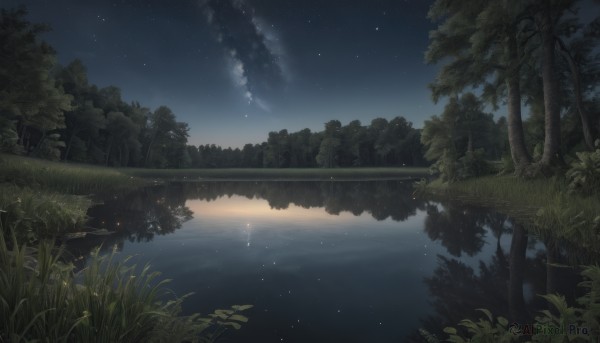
<point x="330" y="261"/>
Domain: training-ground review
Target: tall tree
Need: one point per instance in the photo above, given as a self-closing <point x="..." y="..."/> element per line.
<point x="161" y="123"/>
<point x="491" y="47"/>
<point x="328" y="156"/>
<point x="30" y="100"/>
<point x="547" y="17"/>
<point x="576" y="44"/>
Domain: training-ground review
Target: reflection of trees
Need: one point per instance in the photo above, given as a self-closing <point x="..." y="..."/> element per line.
<point x="382" y="199"/>
<point x="141" y="215"/>
<point x="457" y="289"/>
<point x="137" y="216"/>
<point x="459" y="229"/>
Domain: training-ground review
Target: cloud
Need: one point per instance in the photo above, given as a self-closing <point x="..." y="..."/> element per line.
<point x="255" y="52"/>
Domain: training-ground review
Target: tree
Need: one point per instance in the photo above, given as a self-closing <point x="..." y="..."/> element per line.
<point x="548" y="14"/>
<point x="577" y="53"/>
<point x="31" y="104"/>
<point x="122" y="134"/>
<point x="491" y="47"/>
<point x="160" y="123"/>
<point x="328" y="155"/>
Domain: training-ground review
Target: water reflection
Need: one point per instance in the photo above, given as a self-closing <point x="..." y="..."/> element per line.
<point x="508" y="284"/>
<point x="381" y="199"/>
<point x="333" y="261"/>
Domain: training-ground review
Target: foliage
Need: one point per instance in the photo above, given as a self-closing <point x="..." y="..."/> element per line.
<point x="446" y="166"/>
<point x="584" y="175"/>
<point x="473" y="164"/>
<point x="585" y="315"/>
<point x="33" y="214"/>
<point x="29" y="97"/>
<point x="43" y="298"/>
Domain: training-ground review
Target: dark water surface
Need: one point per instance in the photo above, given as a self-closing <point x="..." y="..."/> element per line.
<point x="330" y="261"/>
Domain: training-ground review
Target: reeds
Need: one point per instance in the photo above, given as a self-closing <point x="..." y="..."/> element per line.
<point x="42" y="298"/>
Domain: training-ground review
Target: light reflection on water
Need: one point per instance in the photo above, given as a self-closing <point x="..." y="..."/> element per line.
<point x="315" y="271"/>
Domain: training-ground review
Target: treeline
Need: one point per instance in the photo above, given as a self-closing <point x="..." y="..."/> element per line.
<point x="535" y="53"/>
<point x="53" y="112"/>
<point x="382" y="143"/>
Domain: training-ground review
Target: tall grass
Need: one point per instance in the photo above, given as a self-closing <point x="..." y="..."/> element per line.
<point x="34" y="213"/>
<point x="42" y="299"/>
<point x="278" y="173"/>
<point x="64" y="177"/>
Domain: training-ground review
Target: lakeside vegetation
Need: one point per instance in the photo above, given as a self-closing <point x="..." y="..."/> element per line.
<point x="43" y="298"/>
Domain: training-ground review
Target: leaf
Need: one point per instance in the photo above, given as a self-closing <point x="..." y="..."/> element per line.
<point x="239" y="318"/>
<point x="450" y="330"/>
<point x="502" y="321"/>
<point x="242" y="307"/>
<point x="487" y="313"/>
<point x="232" y="324"/>
<point x="225" y="313"/>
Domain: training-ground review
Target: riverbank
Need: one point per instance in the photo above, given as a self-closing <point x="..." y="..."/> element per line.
<point x="544" y="206"/>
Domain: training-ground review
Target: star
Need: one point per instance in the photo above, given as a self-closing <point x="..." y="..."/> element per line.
<point x="377" y="28"/>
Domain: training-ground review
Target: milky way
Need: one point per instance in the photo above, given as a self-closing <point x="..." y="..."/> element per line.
<point x="255" y="65"/>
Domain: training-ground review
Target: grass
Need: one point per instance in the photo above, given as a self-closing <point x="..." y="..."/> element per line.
<point x="278" y="174"/>
<point x="41" y="299"/>
<point x="543" y="205"/>
<point x="34" y="213"/>
<point x="64" y="177"/>
<point x="42" y="199"/>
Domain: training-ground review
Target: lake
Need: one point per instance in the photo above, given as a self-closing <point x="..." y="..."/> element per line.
<point x="331" y="261"/>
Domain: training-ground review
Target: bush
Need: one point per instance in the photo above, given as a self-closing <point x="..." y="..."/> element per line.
<point x="446" y="166"/>
<point x="584" y="175"/>
<point x="473" y="164"/>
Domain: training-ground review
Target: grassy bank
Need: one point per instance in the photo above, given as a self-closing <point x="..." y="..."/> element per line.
<point x="543" y="205"/>
<point x="45" y="199"/>
<point x="66" y="178"/>
<point x="278" y="174"/>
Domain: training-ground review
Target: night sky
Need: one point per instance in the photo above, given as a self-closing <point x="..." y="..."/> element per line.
<point x="236" y="69"/>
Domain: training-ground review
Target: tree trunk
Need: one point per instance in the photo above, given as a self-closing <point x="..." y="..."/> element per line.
<point x="551" y="155"/>
<point x="516" y="138"/>
<point x="108" y="152"/>
<point x="576" y="78"/>
<point x="69" y="147"/>
<point x="149" y="150"/>
<point x="518" y="249"/>
<point x="470" y="142"/>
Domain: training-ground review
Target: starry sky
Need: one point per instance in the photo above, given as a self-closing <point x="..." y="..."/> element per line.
<point x="236" y="69"/>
